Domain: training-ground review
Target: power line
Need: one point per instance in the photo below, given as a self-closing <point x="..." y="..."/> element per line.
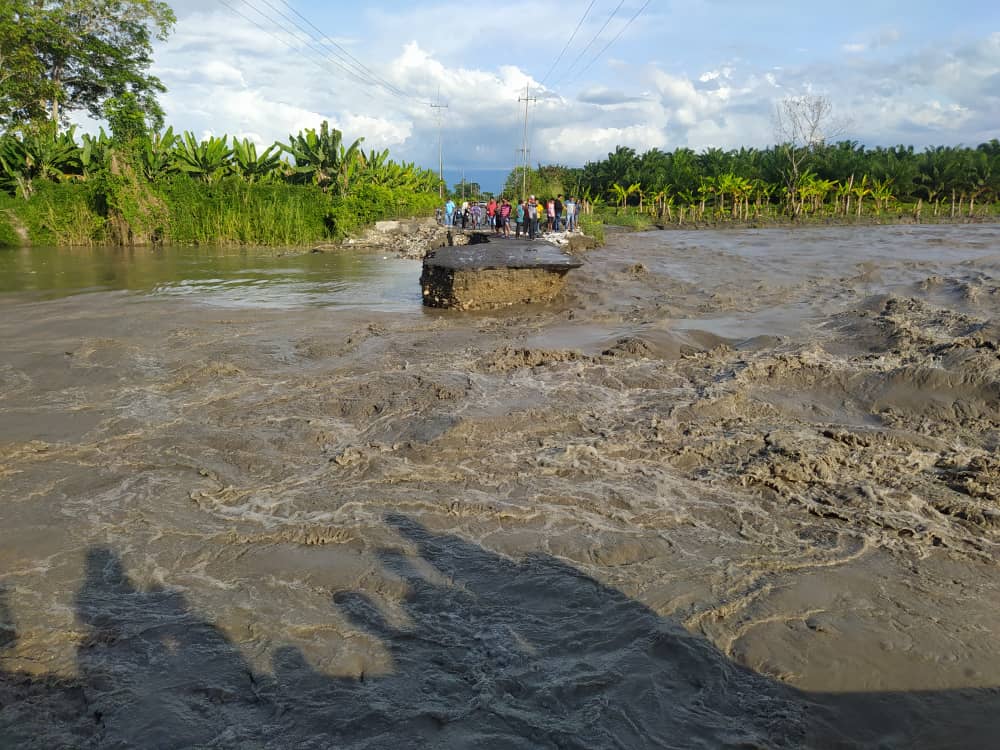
<point x="569" y="42"/>
<point x="594" y="38"/>
<point x="318" y="52"/>
<point x="366" y="80"/>
<point x="615" y="39"/>
<point x="361" y="78"/>
<point x="356" y="63"/>
<point x="271" y="33"/>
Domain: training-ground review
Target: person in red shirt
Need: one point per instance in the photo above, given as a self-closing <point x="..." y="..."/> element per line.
<point x="491" y="213"/>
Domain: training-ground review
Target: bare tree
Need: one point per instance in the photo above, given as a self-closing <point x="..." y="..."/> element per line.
<point x="801" y="125"/>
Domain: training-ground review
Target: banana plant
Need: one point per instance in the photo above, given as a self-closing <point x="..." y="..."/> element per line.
<point x="862" y="190"/>
<point x="322" y="159"/>
<point x="686" y="197"/>
<point x="95" y="153"/>
<point x="620" y="193"/>
<point x="38" y="154"/>
<point x="207" y="160"/>
<point x="844" y="192"/>
<point x="706" y="188"/>
<point x="882" y="193"/>
<point x="157" y="154"/>
<point x="663" y="203"/>
<point x="250" y="165"/>
<point x="376" y="161"/>
<point x="636" y="189"/>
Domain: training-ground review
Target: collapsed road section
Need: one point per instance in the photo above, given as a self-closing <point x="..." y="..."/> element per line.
<point x="494" y="274"/>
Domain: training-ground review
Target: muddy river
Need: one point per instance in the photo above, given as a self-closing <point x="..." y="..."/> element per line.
<point x="736" y="489"/>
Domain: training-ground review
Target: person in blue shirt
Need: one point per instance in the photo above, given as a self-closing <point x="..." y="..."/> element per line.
<point x="449" y="212"/>
<point x="571" y="208"/>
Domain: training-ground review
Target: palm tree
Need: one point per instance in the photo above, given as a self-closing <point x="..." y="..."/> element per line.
<point x="932" y="174"/>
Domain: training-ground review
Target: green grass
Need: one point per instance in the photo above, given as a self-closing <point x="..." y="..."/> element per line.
<point x="232" y="212"/>
<point x="8" y="237"/>
<point x="56" y="214"/>
<point x="186" y="211"/>
<point x="628" y="218"/>
<point x="592" y="227"/>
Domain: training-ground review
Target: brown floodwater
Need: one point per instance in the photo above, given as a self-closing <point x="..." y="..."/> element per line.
<point x="735" y="489"/>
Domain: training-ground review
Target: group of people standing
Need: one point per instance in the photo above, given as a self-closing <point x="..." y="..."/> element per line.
<point x="528" y="216"/>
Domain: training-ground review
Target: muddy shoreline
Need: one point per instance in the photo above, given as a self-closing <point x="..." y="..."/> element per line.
<point x="733" y="489"/>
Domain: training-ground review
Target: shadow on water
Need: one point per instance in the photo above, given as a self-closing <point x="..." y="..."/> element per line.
<point x="504" y="654"/>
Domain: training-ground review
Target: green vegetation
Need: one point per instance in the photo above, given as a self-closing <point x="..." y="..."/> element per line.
<point x="843" y="181"/>
<point x="61" y="56"/>
<point x="592" y="227"/>
<point x="143" y="184"/>
<point x="8" y="235"/>
<point x="136" y="187"/>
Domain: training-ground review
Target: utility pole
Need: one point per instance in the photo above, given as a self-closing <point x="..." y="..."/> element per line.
<point x="524" y="139"/>
<point x="523" y="160"/>
<point x="439" y="107"/>
<point x="513" y="171"/>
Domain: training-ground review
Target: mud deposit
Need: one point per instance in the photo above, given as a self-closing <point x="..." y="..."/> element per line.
<point x="735" y="489"/>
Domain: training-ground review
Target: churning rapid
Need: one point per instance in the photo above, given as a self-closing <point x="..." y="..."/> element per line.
<point x="737" y="489"/>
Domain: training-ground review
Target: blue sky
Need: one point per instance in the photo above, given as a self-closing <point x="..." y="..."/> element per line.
<point x="698" y="73"/>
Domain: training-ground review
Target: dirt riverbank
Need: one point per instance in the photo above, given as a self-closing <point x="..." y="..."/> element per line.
<point x="736" y="489"/>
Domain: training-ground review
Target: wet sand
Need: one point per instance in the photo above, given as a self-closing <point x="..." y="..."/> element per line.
<point x="736" y="489"/>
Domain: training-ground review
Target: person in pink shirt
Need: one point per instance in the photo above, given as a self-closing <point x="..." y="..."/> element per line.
<point x="504" y="220"/>
<point x="550" y="213"/>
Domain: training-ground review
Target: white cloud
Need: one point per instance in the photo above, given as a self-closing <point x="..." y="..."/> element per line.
<point x="218" y="71"/>
<point x="224" y="75"/>
<point x="576" y="144"/>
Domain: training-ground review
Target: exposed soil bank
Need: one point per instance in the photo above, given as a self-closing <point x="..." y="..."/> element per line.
<point x="735" y="489"/>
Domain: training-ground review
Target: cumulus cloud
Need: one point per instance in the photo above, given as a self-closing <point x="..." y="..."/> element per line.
<point x="226" y="75"/>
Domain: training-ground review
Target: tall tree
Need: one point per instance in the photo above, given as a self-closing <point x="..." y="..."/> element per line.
<point x="802" y="125"/>
<point x="62" y="56"/>
<point x="23" y="86"/>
